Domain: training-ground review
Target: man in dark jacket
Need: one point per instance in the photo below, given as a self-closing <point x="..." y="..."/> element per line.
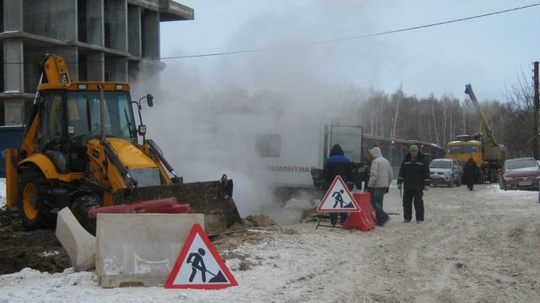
<point x="337" y="165"/>
<point x="414" y="176"/>
<point x="469" y="173"/>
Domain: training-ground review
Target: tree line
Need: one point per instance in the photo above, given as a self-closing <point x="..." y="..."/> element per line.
<point x="440" y="120"/>
<point x="397" y="115"/>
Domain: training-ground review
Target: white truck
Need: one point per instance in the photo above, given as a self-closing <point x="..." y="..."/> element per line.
<point x="282" y="151"/>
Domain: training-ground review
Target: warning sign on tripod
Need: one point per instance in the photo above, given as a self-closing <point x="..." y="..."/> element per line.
<point x="338" y="199"/>
<point x="199" y="265"/>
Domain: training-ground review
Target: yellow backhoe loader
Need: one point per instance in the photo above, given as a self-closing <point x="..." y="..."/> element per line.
<point x="82" y="149"/>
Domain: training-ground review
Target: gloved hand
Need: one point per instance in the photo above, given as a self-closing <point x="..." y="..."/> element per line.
<point x="426" y="187"/>
<point x="399" y="186"/>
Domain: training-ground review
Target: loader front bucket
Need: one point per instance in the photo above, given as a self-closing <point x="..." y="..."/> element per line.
<point x="211" y="198"/>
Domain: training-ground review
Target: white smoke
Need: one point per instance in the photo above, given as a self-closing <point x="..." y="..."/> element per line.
<point x="191" y="94"/>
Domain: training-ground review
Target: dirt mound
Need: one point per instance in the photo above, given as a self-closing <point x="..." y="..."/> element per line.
<point x="38" y="249"/>
<point x="41" y="250"/>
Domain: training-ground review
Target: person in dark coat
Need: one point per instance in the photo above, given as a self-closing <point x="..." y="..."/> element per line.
<point x="469" y="173"/>
<point x="337" y="165"/>
<point x="414" y="178"/>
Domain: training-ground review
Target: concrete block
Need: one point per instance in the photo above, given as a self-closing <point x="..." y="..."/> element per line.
<point x="79" y="244"/>
<point x="140" y="249"/>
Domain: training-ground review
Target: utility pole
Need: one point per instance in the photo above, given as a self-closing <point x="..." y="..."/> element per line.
<point x="536" y="114"/>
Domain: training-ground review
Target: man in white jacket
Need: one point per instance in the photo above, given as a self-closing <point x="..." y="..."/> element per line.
<point x="380" y="178"/>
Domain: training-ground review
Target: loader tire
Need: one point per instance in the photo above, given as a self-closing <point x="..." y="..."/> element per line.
<point x="80" y="208"/>
<point x="33" y="206"/>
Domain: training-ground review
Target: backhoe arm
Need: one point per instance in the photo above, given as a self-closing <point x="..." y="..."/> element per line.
<point x="156" y="152"/>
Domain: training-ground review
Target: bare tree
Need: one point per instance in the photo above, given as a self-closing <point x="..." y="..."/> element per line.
<point x="518" y="118"/>
<point x="396" y="98"/>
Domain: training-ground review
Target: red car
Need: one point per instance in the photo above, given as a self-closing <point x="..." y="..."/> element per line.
<point x="520" y="173"/>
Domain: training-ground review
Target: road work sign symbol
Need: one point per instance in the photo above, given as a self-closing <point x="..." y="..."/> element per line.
<point x="338" y="199"/>
<point x="199" y="265"/>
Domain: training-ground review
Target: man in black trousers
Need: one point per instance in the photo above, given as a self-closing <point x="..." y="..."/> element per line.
<point x="414" y="178"/>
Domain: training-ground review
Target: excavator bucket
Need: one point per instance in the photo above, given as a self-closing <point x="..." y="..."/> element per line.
<point x="211" y="198"/>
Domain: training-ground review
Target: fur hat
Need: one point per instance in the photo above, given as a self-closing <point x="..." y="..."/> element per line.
<point x="413" y="147"/>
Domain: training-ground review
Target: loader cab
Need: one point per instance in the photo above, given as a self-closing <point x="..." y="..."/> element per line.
<point x="68" y="119"/>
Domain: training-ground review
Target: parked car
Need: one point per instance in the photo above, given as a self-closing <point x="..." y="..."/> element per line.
<point x="520" y="173"/>
<point x="445" y="171"/>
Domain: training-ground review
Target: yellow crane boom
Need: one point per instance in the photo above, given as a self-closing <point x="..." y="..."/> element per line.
<point x="483" y="119"/>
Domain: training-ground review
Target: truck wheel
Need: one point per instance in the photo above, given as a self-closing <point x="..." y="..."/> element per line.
<point x="80" y="208"/>
<point x="32" y="202"/>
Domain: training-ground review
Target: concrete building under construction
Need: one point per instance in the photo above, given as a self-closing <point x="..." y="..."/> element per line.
<point x="101" y="40"/>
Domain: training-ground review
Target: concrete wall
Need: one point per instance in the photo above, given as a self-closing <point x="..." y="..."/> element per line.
<point x="134" y="30"/>
<point x="51" y="18"/>
<point x="94" y="22"/>
<point x="150" y="24"/>
<point x="111" y="40"/>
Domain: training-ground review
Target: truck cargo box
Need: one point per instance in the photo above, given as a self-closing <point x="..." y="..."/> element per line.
<point x="281" y="151"/>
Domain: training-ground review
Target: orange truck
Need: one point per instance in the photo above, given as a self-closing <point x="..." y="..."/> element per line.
<point x="487" y="153"/>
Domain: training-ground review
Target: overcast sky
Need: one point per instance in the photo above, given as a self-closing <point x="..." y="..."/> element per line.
<point x="309" y="43"/>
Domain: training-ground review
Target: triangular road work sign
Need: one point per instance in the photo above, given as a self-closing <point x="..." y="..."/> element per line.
<point x="338" y="199"/>
<point x="199" y="265"/>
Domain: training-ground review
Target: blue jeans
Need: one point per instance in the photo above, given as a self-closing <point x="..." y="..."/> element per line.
<point x="377" y="198"/>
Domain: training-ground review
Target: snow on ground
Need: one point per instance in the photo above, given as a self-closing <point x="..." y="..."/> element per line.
<point x="2" y="193"/>
<point x="479" y="246"/>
